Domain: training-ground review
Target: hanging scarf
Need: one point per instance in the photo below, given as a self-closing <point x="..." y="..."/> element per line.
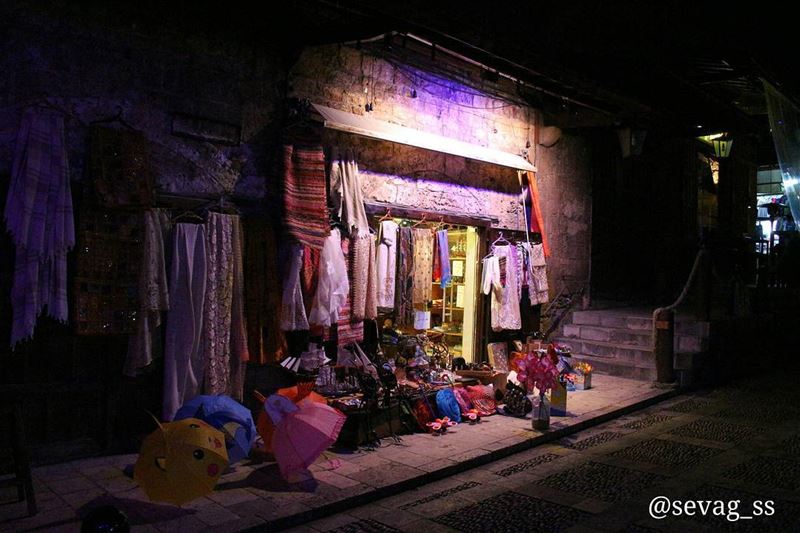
<point x="423" y="265"/>
<point x="39" y="218"/>
<point x="223" y="317"/>
<point x="537" y="217"/>
<point x="364" y="293"/>
<point x="305" y="211"/>
<point x="404" y="308"/>
<point x="153" y="292"/>
<point x="443" y="257"/>
<point x="347" y="202"/>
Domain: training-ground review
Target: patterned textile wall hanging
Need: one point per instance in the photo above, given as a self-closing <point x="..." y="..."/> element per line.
<point x="120" y="168"/>
<point x="108" y="257"/>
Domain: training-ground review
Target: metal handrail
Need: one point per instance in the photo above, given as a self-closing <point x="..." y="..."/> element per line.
<point x="695" y="267"/>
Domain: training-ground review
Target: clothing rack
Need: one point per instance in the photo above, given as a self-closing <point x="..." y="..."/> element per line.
<point x="378" y="208"/>
<point x="170" y="199"/>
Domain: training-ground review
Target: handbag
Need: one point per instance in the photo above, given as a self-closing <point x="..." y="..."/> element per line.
<point x="517" y="402"/>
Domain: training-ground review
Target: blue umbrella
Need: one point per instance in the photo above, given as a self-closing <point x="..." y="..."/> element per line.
<point x="227" y="415"/>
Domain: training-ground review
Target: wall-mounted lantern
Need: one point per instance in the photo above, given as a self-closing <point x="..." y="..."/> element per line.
<point x="722" y="146"/>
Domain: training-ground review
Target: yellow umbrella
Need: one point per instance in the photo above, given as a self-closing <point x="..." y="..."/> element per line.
<point x="181" y="461"/>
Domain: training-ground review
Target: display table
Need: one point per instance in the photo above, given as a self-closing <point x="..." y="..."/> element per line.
<point x="375" y="419"/>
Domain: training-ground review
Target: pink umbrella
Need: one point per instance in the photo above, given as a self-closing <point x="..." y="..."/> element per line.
<point x="302" y="431"/>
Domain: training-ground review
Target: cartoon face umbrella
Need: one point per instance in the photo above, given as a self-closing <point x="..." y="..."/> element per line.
<point x="181" y="461"/>
<point x="302" y="431"/>
<point x="227" y="415"/>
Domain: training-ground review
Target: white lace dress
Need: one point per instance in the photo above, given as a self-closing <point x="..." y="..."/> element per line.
<point x="505" y="299"/>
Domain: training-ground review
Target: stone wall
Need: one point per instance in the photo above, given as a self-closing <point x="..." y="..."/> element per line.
<point x="92" y="72"/>
<point x="337" y="76"/>
<point x="565" y="185"/>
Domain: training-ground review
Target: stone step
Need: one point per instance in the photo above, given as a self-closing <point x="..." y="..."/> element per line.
<point x="616" y="368"/>
<point x="630" y="337"/>
<point x="638" y="322"/>
<point x="635" y="355"/>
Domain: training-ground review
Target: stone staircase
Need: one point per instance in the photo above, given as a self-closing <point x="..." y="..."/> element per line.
<point x="619" y="342"/>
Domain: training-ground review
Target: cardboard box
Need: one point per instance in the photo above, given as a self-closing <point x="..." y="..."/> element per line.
<point x="583" y="381"/>
<point x="558" y="400"/>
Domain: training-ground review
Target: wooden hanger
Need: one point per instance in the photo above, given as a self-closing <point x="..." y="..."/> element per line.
<point x="422" y="221"/>
<point x="387" y="215"/>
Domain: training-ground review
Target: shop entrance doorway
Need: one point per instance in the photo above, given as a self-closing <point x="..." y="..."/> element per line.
<point x="449" y="317"/>
<point x="453" y="305"/>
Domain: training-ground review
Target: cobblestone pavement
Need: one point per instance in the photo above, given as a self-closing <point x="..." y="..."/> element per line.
<point x="254" y="495"/>
<point x="737" y="443"/>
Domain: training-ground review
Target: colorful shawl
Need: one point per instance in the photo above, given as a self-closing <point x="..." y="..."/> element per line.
<point x="39" y="218"/>
<point x="306" y="212"/>
<point x="349" y="329"/>
<point x="423" y="265"/>
<point x="443" y="256"/>
<point x="404" y="308"/>
<point x="537" y="217"/>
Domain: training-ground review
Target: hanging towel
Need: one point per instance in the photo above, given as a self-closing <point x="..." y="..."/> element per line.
<point x="184" y="361"/>
<point x="404" y="308"/>
<point x="143" y="345"/>
<point x="363" y="287"/>
<point x="262" y="294"/>
<point x="293" y="311"/>
<point x="347" y="202"/>
<point x="387" y="263"/>
<point x="306" y="214"/>
<point x="39" y="217"/>
<point x="537" y="217"/>
<point x="444" y="257"/>
<point x="333" y="285"/>
<point x="423" y="265"/>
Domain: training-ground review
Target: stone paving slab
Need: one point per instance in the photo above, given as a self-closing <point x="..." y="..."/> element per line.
<point x="254" y="495"/>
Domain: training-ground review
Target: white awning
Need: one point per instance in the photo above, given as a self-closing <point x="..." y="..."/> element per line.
<point x="386" y="131"/>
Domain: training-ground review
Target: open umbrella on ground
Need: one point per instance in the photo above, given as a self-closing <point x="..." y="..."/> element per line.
<point x="296" y="393"/>
<point x="227" y="415"/>
<point x="181" y="461"/>
<point x="302" y="431"/>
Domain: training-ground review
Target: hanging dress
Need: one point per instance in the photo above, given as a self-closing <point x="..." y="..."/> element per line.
<point x="501" y="280"/>
<point x="387" y="263"/>
<point x="184" y="362"/>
